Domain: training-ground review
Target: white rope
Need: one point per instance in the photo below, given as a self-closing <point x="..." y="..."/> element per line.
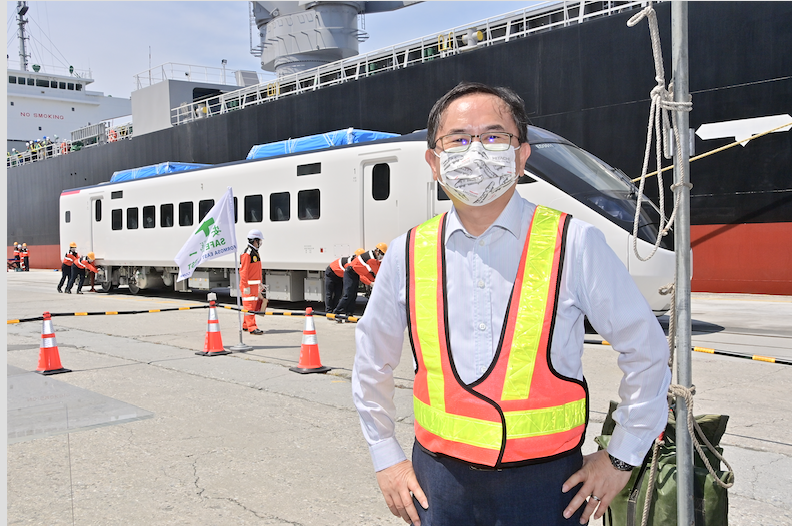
<point x="662" y="103"/>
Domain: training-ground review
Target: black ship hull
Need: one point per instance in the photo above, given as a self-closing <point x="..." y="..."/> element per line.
<point x="588" y="82"/>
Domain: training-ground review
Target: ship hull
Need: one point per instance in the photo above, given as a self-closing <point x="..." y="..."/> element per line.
<point x="588" y="82"/>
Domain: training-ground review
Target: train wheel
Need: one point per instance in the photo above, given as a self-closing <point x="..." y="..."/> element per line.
<point x="106" y="286"/>
<point x="133" y="288"/>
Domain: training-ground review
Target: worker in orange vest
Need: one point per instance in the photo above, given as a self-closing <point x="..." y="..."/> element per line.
<point x="25" y="255"/>
<point x="334" y="279"/>
<point x="250" y="281"/>
<point x="16" y="256"/>
<point x="363" y="268"/>
<point x="79" y="267"/>
<point x="66" y="266"/>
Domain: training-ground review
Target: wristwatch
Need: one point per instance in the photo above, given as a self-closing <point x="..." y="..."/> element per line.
<point x="620" y="464"/>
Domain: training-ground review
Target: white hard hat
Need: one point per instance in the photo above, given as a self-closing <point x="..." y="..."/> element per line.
<point x="255" y="234"/>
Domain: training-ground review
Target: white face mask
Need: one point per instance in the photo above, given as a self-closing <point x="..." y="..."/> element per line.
<point x="478" y="176"/>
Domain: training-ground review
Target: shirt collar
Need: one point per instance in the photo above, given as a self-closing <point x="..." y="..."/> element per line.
<point x="509" y="220"/>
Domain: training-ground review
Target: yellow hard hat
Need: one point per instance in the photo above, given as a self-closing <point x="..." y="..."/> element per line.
<point x="360" y="251"/>
<point x="91" y="256"/>
<point x="383" y="247"/>
<point x="72" y="245"/>
<point x="24" y="244"/>
<point x="16" y="243"/>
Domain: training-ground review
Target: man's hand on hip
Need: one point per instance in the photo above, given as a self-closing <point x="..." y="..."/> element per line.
<point x="398" y="484"/>
<point x="601" y="481"/>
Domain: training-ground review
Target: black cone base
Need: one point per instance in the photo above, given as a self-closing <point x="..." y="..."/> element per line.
<point x="302" y="370"/>
<point x="54" y="371"/>
<point x="214" y="353"/>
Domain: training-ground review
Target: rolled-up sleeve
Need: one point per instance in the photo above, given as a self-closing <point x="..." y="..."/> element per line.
<point x="619" y="313"/>
<point x="379" y="337"/>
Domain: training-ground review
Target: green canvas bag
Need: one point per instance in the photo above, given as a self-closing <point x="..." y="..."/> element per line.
<point x="711" y="501"/>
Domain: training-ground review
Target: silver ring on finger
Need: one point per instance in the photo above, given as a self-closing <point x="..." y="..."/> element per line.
<point x="595" y="498"/>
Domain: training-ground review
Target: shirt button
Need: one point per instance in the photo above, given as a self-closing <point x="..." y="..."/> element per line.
<point x="482" y="327"/>
<point x="480" y="284"/>
<point x="481" y="242"/>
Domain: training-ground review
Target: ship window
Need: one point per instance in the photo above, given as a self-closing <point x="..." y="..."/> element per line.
<point x="380" y="182"/>
<point x="204" y="207"/>
<point x="309" y="169"/>
<point x="98" y="210"/>
<point x="68" y="216"/>
<point x="308" y="204"/>
<point x="254" y="208"/>
<point x="132" y="218"/>
<point x="42" y="83"/>
<point x="70" y="85"/>
<point x="117" y="195"/>
<point x="53" y="84"/>
<point x="61" y="85"/>
<point x="186" y="213"/>
<point x="166" y="215"/>
<point x="78" y="87"/>
<point x="115" y="219"/>
<point x="149" y="216"/>
<point x="441" y="195"/>
<point x="12" y="80"/>
<point x="279" y="206"/>
<point x="31" y="82"/>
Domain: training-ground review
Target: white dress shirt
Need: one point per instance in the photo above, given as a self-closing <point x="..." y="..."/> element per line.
<point x="481" y="272"/>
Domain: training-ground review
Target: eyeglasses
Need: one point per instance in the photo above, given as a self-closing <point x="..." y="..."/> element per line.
<point x="460" y="142"/>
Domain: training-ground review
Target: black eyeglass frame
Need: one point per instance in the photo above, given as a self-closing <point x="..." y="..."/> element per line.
<point x="477" y="136"/>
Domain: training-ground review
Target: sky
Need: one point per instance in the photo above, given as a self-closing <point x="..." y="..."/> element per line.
<point x="113" y="39"/>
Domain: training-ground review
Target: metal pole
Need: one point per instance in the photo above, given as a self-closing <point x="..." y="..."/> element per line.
<point x="679" y="51"/>
<point x="22" y="8"/>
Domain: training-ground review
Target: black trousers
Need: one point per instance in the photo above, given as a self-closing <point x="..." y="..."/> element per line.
<point x="26" y="259"/>
<point x="347" y="303"/>
<point x="65" y="274"/>
<point x="76" y="272"/>
<point x="334" y="287"/>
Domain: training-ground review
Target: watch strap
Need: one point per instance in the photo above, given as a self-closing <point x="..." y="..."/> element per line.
<point x="620" y="464"/>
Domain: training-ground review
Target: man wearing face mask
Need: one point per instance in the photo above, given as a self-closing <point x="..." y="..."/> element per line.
<point x="493" y="295"/>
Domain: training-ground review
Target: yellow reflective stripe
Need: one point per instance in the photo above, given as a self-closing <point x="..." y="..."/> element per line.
<point x="539" y="422"/>
<point x="532" y="304"/>
<point x="473" y="431"/>
<point x="426" y="315"/>
<point x="81" y="314"/>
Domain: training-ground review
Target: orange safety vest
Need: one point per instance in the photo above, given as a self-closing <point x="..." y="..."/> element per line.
<point x="250" y="274"/>
<point x="339" y="265"/>
<point x="70" y="258"/>
<point x="366" y="266"/>
<point x="521" y="411"/>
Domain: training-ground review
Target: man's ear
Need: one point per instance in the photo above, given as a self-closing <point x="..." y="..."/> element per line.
<point x="525" y="152"/>
<point x="434" y="163"/>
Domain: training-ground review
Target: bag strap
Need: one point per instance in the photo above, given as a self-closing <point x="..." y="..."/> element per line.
<point x="632" y="500"/>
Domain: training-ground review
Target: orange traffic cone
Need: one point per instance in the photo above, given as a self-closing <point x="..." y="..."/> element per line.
<point x="309" y="350"/>
<point x="49" y="358"/>
<point x="213" y="344"/>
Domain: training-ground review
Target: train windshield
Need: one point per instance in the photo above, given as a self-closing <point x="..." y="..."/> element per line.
<point x="594" y="183"/>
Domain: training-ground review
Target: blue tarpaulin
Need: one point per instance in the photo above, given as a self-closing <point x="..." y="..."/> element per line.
<point x="315" y="142"/>
<point x="154" y="169"/>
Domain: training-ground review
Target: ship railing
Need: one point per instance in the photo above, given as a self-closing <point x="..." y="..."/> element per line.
<point x="462" y="39"/>
<point x="176" y="71"/>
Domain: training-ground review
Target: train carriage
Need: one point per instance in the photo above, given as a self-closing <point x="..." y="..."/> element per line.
<point x="316" y="206"/>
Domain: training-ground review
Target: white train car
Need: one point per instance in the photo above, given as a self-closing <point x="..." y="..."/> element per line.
<point x="316" y="206"/>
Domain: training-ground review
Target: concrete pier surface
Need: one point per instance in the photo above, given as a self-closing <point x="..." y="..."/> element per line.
<point x="144" y="431"/>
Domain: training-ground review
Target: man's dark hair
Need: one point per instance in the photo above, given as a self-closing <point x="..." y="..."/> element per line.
<point x="507" y="95"/>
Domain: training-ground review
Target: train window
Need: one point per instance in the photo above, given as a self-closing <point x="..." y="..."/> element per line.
<point x="68" y="216"/>
<point x="98" y="210"/>
<point x="380" y="182"/>
<point x="308" y="204"/>
<point x="166" y="215"/>
<point x="186" y="213"/>
<point x="309" y="169"/>
<point x="149" y="216"/>
<point x="117" y="195"/>
<point x="279" y="206"/>
<point x="116" y="217"/>
<point x="132" y="218"/>
<point x="236" y="211"/>
<point x="254" y="208"/>
<point x="204" y="207"/>
<point x="441" y="195"/>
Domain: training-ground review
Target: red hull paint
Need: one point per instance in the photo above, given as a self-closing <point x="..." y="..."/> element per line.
<point x="41" y="256"/>
<point x="745" y="258"/>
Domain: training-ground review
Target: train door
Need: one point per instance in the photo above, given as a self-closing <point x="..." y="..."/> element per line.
<point x="380" y="202"/>
<point x="95" y="217"/>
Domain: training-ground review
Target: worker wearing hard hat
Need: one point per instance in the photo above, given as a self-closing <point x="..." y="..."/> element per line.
<point x="250" y="281"/>
<point x="363" y="268"/>
<point x="66" y="266"/>
<point x="25" y="256"/>
<point x="334" y="279"/>
<point x="78" y="271"/>
<point x="16" y="256"/>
